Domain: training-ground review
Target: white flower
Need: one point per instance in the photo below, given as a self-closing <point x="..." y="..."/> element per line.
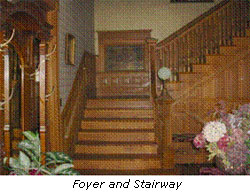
<point x="214" y="130"/>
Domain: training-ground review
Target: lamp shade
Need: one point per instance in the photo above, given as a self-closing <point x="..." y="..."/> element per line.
<point x="164" y="73"/>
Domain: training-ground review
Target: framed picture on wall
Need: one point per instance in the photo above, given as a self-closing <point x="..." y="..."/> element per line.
<point x="70" y="44"/>
<point x="192" y="1"/>
<point x="124" y="58"/>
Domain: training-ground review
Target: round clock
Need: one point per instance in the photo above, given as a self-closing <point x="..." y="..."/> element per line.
<point x="164" y="73"/>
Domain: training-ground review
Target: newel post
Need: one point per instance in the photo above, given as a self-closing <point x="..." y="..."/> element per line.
<point x="151" y="44"/>
<point x="167" y="149"/>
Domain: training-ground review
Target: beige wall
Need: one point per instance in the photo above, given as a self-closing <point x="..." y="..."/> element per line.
<point x="77" y="18"/>
<point x="161" y="16"/>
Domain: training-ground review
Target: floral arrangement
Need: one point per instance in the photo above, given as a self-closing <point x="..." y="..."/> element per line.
<point x="32" y="162"/>
<point x="227" y="139"/>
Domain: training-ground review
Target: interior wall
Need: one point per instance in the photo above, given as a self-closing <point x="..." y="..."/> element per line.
<point x="161" y="16"/>
<point x="77" y="18"/>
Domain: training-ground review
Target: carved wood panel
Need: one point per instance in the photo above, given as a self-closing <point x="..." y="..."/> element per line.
<point x="123" y="84"/>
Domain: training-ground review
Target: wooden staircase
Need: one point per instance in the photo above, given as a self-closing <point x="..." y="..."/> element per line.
<point x="201" y="99"/>
<point x="117" y="135"/>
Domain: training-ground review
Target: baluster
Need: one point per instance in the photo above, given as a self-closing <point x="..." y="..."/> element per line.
<point x="217" y="34"/>
<point x="229" y="30"/>
<point x="176" y="60"/>
<point x="212" y="37"/>
<point x="199" y="44"/>
<point x="186" y="53"/>
<point x="223" y="25"/>
<point x="203" y="40"/>
<point x="192" y="40"/>
<point x="171" y="53"/>
<point x="209" y="34"/>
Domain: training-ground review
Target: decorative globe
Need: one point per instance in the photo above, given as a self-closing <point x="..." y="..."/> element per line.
<point x="164" y="73"/>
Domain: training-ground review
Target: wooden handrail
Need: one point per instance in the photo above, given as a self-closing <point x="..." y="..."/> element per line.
<point x="203" y="36"/>
<point x="75" y="105"/>
<point x="192" y="23"/>
<point x="206" y="79"/>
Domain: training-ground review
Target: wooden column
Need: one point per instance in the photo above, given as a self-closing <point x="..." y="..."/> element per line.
<point x="55" y="133"/>
<point x="42" y="84"/>
<point x="152" y="67"/>
<point x="167" y="150"/>
<point x="1" y="99"/>
<point x="7" y="105"/>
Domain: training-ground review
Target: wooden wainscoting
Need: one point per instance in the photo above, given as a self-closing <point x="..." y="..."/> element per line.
<point x="111" y="84"/>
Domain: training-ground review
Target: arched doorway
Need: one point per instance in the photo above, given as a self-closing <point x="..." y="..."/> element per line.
<point x="24" y="69"/>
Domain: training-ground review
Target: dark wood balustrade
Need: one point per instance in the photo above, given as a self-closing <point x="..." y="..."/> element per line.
<point x="75" y="105"/>
<point x="185" y="49"/>
<point x="202" y="36"/>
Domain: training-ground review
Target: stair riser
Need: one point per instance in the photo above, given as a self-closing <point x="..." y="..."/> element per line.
<point x="116" y="137"/>
<point x="229" y="50"/>
<point x="116" y="125"/>
<point x="95" y="113"/>
<point x="190" y="77"/>
<point x="116" y="149"/>
<point x="220" y="59"/>
<point x="109" y="103"/>
<point x="241" y="42"/>
<point x="122" y="164"/>
<point x="203" y="68"/>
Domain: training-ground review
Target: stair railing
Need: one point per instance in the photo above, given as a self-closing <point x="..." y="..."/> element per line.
<point x="75" y="105"/>
<point x="189" y="46"/>
<point x="204" y="35"/>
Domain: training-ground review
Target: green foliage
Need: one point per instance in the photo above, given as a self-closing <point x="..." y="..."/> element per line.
<point x="30" y="159"/>
<point x="247" y="142"/>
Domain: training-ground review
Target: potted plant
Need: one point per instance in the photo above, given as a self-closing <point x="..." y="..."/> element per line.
<point x="32" y="162"/>
<point x="227" y="140"/>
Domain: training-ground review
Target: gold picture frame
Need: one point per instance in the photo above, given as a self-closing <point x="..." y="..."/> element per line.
<point x="70" y="44"/>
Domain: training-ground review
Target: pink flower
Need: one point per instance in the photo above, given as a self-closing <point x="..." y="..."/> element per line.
<point x="34" y="172"/>
<point x="238" y="136"/>
<point x="199" y="141"/>
<point x="223" y="142"/>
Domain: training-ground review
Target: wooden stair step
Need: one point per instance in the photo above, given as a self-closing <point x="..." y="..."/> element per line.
<point x="113" y="156"/>
<point x="185" y="153"/>
<point x="116" y="136"/>
<point x="118" y="164"/>
<point x="119" y="103"/>
<point x="118" y="113"/>
<point x="116" y="149"/>
<point x="117" y="124"/>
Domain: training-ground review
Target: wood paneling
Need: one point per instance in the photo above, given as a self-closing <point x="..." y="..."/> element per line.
<point x="123" y="84"/>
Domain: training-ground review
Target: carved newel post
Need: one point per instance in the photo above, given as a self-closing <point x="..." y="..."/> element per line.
<point x="166" y="101"/>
